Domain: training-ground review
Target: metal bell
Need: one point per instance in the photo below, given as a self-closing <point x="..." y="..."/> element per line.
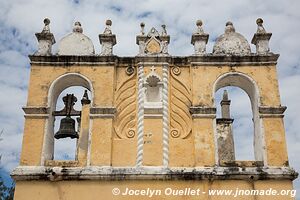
<point x="66" y="129"/>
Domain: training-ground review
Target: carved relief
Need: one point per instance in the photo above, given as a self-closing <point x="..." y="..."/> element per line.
<point x="153" y="43"/>
<point x="153" y="46"/>
<point x="180" y="117"/>
<point x="153" y="90"/>
<point x="125" y="101"/>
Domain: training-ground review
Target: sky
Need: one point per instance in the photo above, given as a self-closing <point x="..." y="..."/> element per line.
<point x="21" y="19"/>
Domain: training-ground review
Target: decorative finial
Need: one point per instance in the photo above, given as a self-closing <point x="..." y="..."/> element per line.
<point x="107" y="29"/>
<point x="142" y="28"/>
<point x="46" y="40"/>
<point x="199" y="29"/>
<point x="77" y="27"/>
<point x="46" y="28"/>
<point x="229" y="27"/>
<point x="85" y="99"/>
<point x="261" y="38"/>
<point x="199" y="39"/>
<point x="225" y="105"/>
<point x="164" y="30"/>
<point x="225" y="95"/>
<point x="108" y="22"/>
<point x="107" y="40"/>
<point x="260" y="28"/>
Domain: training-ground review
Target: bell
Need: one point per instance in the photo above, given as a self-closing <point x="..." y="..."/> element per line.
<point x="66" y="129"/>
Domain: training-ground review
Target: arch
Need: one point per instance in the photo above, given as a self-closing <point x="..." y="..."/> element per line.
<point x="247" y="84"/>
<point x="57" y="86"/>
<point x="65" y="81"/>
<point x="242" y="81"/>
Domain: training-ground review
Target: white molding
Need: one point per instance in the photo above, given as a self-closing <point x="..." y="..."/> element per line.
<point x="140" y="121"/>
<point x="151" y="173"/>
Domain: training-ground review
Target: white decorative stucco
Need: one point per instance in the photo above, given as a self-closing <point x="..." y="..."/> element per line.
<point x="140" y="123"/>
<point x="231" y="43"/>
<point x="165" y="101"/>
<point x="76" y="43"/>
<point x="153" y="43"/>
<point x="153" y="90"/>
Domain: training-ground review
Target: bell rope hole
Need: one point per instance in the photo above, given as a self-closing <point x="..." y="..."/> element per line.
<point x="66" y="148"/>
<point x="241" y="113"/>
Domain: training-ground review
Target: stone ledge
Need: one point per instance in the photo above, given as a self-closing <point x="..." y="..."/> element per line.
<point x="272" y="110"/>
<point x="152" y="173"/>
<point x="235" y="60"/>
<point x="260" y="36"/>
<point x="224" y="121"/>
<point x="61" y="163"/>
<point x="102" y="112"/>
<point x="206" y="59"/>
<point x="202" y="110"/>
<point x="242" y="163"/>
<point x="35" y="110"/>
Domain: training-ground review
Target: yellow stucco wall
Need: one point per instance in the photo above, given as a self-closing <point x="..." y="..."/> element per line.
<point x="91" y="190"/>
<point x="204" y="78"/>
<point x="195" y="150"/>
<point x="41" y="78"/>
<point x="195" y="147"/>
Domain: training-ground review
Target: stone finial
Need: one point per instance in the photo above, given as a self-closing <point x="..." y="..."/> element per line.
<point x="107" y="40"/>
<point x="107" y="29"/>
<point x="225" y="106"/>
<point x="164" y="30"/>
<point x="77" y="28"/>
<point x="225" y="95"/>
<point x="260" y="28"/>
<point x="261" y="38"/>
<point x="229" y="27"/>
<point x="199" y="39"/>
<point x="45" y="39"/>
<point x="85" y="99"/>
<point x="142" y="28"/>
<point x="199" y="29"/>
<point x="46" y="28"/>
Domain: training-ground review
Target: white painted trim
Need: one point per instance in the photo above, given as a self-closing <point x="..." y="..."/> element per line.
<point x="140" y="116"/>
<point x="165" y="103"/>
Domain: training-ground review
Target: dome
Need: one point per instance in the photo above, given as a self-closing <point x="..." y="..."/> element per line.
<point x="76" y="43"/>
<point x="231" y="43"/>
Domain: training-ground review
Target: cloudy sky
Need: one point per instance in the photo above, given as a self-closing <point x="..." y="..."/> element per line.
<point x="20" y="19"/>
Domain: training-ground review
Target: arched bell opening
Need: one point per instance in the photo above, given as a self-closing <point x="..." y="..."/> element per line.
<point x="225" y="145"/>
<point x="67" y="118"/>
<point x="71" y="83"/>
<point x="234" y="104"/>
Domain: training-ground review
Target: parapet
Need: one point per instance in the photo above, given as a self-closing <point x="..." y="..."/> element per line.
<point x="155" y="43"/>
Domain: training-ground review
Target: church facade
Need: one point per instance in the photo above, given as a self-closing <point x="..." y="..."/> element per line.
<point x="148" y="122"/>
